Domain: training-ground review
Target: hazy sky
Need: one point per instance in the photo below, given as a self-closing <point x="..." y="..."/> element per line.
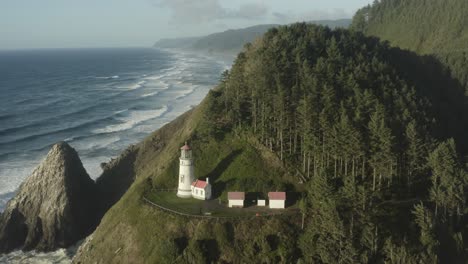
<point x="116" y="23"/>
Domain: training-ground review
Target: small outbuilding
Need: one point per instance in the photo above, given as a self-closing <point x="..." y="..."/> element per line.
<point x="261" y="202"/>
<point x="236" y="199"/>
<point x="277" y="200"/>
<point x="201" y="189"/>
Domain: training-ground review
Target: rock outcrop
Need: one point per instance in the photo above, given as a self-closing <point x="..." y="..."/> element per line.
<point x="54" y="207"/>
<point x="117" y="176"/>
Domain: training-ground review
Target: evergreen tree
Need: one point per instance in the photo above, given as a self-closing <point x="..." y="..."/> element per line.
<point x="448" y="181"/>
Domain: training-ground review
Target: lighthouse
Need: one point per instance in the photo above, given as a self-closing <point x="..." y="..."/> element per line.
<point x="186" y="172"/>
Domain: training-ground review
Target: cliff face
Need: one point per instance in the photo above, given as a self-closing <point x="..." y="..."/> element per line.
<point x="54" y="206"/>
<point x="116" y="178"/>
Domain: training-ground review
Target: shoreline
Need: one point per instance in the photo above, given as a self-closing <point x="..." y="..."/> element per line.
<point x="189" y="100"/>
<point x="190" y="95"/>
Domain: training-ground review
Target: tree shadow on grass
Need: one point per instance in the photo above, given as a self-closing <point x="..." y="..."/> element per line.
<point x="218" y="187"/>
<point x="251" y="198"/>
<point x="292" y="198"/>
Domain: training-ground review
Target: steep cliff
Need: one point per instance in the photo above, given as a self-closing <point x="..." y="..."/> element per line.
<point x="54" y="207"/>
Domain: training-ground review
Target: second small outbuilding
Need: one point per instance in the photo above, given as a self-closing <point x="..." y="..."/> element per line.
<point x="277" y="200"/>
<point x="236" y="199"/>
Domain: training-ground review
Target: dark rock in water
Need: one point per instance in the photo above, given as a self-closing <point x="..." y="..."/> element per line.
<point x="54" y="206"/>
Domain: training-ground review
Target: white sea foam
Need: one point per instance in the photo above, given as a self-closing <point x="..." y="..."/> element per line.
<point x="61" y="256"/>
<point x="133" y="119"/>
<point x="108" y="77"/>
<point x="137" y="85"/>
<point x="120" y="111"/>
<point x="156" y="77"/>
<point x="150" y="94"/>
<point x="19" y="257"/>
<point x="168" y="69"/>
<point x="69" y="139"/>
<point x="93" y="165"/>
<point x="94" y="143"/>
<point x="158" y="85"/>
<point x="187" y="92"/>
<point x="12" y="173"/>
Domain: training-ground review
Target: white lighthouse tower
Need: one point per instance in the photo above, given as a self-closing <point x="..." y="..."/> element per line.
<point x="186" y="172"/>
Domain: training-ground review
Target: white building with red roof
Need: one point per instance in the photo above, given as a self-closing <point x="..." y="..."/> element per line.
<point x="188" y="186"/>
<point x="277" y="200"/>
<point x="236" y="199"/>
<point x="201" y="189"/>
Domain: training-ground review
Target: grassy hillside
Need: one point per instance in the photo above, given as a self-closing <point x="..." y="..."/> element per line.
<point x="427" y="27"/>
<point x="233" y="162"/>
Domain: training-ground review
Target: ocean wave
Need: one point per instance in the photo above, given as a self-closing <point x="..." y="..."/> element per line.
<point x="107" y="77"/>
<point x="132" y="119"/>
<point x="158" y="84"/>
<point x="93" y="142"/>
<point x="96" y="140"/>
<point x="61" y="256"/>
<point x="187" y="92"/>
<point x="38" y="103"/>
<point x="3" y="117"/>
<point x="4" y="198"/>
<point x="26" y="100"/>
<point x="150" y="94"/>
<point x="155" y="77"/>
<point x="137" y="85"/>
<point x="13" y="172"/>
<point x="41" y="122"/>
<point x="61" y="130"/>
<point x="168" y="69"/>
<point x="128" y="87"/>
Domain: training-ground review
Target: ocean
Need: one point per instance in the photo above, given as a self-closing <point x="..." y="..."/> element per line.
<point x="98" y="100"/>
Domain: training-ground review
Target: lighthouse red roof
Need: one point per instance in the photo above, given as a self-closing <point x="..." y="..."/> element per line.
<point x="199" y="184"/>
<point x="277" y="196"/>
<point x="185" y="147"/>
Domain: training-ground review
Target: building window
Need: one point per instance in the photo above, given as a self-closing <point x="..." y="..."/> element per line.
<point x="201" y="192"/>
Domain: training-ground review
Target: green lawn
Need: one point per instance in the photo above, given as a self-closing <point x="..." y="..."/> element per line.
<point x="232" y="164"/>
<point x="171" y="201"/>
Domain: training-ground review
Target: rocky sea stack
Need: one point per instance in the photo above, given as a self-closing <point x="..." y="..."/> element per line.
<point x="53" y="208"/>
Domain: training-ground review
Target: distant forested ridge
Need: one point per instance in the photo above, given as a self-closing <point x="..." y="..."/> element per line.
<point x="233" y="40"/>
<point x="177" y="43"/>
<point x="427" y="27"/>
<point x="377" y="133"/>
